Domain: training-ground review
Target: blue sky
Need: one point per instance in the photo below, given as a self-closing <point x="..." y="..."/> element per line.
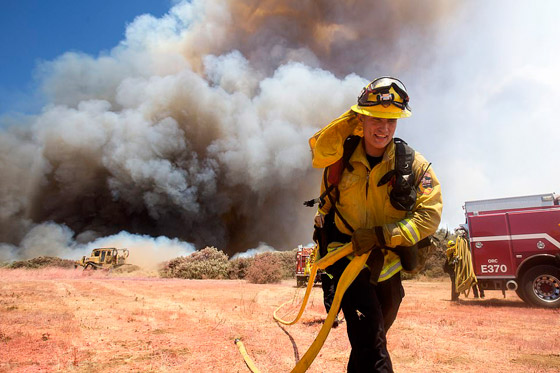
<point x="32" y="31"/>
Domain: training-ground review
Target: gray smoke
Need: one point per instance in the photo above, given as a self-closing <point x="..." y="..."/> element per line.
<point x="195" y="126"/>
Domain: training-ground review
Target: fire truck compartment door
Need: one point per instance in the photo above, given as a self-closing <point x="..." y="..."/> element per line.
<point x="535" y="232"/>
<point x="491" y="246"/>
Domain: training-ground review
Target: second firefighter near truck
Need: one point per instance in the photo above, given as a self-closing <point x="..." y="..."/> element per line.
<point x="384" y="198"/>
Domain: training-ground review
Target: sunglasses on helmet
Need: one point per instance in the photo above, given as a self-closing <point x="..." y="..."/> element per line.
<point x="380" y="88"/>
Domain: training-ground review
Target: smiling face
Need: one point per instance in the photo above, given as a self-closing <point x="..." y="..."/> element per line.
<point x="378" y="133"/>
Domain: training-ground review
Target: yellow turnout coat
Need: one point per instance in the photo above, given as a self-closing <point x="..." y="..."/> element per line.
<point x="365" y="205"/>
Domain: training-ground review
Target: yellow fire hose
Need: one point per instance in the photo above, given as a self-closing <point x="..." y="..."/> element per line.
<point x="464" y="271"/>
<point x="322" y="263"/>
<point x="348" y="276"/>
<point x="245" y="355"/>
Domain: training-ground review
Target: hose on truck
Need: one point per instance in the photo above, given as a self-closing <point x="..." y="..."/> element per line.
<point x="348" y="276"/>
<point x="464" y="270"/>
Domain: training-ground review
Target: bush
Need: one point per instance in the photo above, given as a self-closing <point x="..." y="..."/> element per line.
<point x="434" y="264"/>
<point x="211" y="263"/>
<point x="265" y="268"/>
<point x="42" y="262"/>
<point x="238" y="268"/>
<point x="208" y="263"/>
<point x="288" y="263"/>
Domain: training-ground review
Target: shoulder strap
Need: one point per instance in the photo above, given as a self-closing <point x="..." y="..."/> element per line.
<point x="332" y="175"/>
<point x="335" y="171"/>
<point x="403" y="195"/>
<point x="334" y="201"/>
<point x="350" y="145"/>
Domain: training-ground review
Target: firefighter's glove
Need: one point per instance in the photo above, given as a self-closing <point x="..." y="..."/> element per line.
<point x="375" y="262"/>
<point x="364" y="240"/>
<point x="319" y="220"/>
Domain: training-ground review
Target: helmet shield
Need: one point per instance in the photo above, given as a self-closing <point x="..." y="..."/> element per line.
<point x="385" y="97"/>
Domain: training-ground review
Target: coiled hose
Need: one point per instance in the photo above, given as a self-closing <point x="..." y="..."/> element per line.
<point x="464" y="270"/>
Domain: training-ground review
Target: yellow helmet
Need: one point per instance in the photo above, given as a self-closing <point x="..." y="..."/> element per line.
<point x="450" y="243"/>
<point x="385" y="97"/>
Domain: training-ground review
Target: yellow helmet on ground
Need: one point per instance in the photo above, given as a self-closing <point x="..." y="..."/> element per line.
<point x="385" y="97"/>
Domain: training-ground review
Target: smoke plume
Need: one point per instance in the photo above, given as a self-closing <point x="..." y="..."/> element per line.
<point x="195" y="126"/>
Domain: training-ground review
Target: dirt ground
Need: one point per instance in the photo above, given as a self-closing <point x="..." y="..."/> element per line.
<point x="66" y="320"/>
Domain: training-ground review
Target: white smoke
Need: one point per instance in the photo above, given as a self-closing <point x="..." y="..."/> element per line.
<point x="485" y="114"/>
<point x="47" y="239"/>
<point x="182" y="130"/>
<point x="144" y="251"/>
<point x="195" y="126"/>
<point x="8" y="252"/>
<point x="261" y="248"/>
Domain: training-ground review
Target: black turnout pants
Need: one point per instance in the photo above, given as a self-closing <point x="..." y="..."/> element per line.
<point x="329" y="288"/>
<point x="369" y="310"/>
<point x="450" y="270"/>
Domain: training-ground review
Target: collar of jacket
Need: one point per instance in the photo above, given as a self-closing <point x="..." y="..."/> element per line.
<point x="359" y="155"/>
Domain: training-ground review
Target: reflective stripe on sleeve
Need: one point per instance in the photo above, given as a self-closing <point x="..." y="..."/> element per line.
<point x="390" y="270"/>
<point x="409" y="230"/>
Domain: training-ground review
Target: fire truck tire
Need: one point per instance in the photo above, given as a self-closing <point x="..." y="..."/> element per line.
<point x="541" y="286"/>
<point x="521" y="294"/>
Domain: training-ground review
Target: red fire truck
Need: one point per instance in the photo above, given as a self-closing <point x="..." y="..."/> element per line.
<point x="305" y="258"/>
<point x="515" y="245"/>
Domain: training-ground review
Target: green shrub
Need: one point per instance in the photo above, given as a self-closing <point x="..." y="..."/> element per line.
<point x="211" y="263"/>
<point x="208" y="263"/>
<point x="288" y="263"/>
<point x="265" y="268"/>
<point x="42" y="262"/>
<point x="434" y="264"/>
<point x="238" y="268"/>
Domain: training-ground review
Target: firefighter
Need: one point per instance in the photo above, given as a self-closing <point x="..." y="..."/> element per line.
<point x="449" y="268"/>
<point x="382" y="208"/>
<point x="477" y="289"/>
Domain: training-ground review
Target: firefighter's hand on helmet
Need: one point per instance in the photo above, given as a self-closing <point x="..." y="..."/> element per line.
<point x="319" y="219"/>
<point x="364" y="240"/>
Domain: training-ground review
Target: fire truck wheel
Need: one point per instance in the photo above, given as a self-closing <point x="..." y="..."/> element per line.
<point x="521" y="294"/>
<point x="541" y="286"/>
<point x="303" y="280"/>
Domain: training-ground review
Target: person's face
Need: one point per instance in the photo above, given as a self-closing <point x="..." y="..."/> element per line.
<point x="378" y="132"/>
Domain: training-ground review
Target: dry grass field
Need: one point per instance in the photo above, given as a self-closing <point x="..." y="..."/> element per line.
<point x="58" y="320"/>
